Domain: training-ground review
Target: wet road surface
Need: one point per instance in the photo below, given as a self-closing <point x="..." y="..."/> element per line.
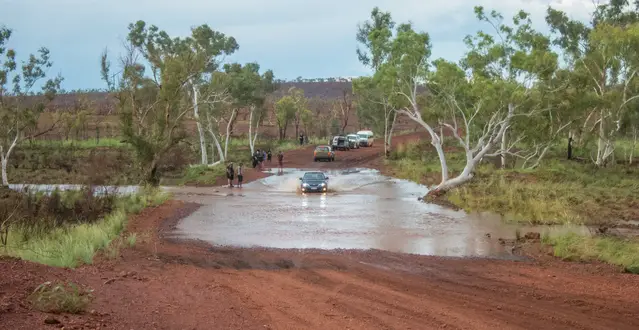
<point x="362" y="210"/>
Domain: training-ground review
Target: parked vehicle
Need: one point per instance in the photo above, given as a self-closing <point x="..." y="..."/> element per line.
<point x="353" y="140"/>
<point x="366" y="138"/>
<point x="340" y="143"/>
<point x="323" y="153"/>
<point x="314" y="182"/>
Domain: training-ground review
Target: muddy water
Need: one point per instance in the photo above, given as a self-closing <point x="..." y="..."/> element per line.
<point x="362" y="210"/>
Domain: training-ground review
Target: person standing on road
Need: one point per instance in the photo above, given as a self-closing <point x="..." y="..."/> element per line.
<point x="280" y="161"/>
<point x="229" y="174"/>
<point x="264" y="157"/>
<point x="240" y="176"/>
<point x="301" y="139"/>
<point x="254" y="158"/>
<point x="269" y="155"/>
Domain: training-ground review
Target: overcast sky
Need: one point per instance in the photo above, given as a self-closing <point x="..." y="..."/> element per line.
<point x="308" y="38"/>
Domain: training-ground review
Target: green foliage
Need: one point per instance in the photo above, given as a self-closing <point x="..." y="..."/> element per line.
<point x="75" y="244"/>
<point x="18" y="118"/>
<point x="153" y="107"/>
<point x="203" y="174"/>
<point x="613" y="250"/>
<point x="557" y="192"/>
<point x="290" y="107"/>
<point x="61" y="297"/>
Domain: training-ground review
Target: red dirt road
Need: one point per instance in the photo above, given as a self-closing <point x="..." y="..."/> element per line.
<point x="168" y="284"/>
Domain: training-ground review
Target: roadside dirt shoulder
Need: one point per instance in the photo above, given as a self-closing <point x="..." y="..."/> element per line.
<point x="168" y="284"/>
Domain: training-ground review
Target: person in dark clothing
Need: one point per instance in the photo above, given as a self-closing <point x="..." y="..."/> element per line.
<point x="280" y="161"/>
<point x="230" y="174"/>
<point x="240" y="176"/>
<point x="301" y="139"/>
<point x="269" y="155"/>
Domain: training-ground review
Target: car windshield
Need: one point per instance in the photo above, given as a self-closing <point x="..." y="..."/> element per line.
<point x="314" y="176"/>
<point x="323" y="149"/>
<point x="363" y="136"/>
<point x="352" y="137"/>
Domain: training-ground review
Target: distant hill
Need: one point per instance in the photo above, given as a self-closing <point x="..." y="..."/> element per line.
<point x="104" y="102"/>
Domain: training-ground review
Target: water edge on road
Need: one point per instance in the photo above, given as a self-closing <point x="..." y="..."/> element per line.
<point x="362" y="210"/>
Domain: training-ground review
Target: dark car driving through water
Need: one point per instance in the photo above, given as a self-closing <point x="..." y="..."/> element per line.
<point x="314" y="182"/>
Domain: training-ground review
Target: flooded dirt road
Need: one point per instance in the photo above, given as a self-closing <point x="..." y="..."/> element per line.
<point x="362" y="210"/>
<point x="163" y="283"/>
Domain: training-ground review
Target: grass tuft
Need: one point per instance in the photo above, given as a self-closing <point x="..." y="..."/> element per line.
<point x="59" y="297"/>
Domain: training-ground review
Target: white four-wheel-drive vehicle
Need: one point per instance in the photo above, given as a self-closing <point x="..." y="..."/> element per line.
<point x="366" y="138"/>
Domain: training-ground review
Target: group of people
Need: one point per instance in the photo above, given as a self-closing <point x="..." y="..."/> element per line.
<point x="259" y="157"/>
<point x="303" y="139"/>
<point x="230" y="174"/>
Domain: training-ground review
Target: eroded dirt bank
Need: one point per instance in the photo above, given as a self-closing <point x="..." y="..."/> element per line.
<point x="161" y="284"/>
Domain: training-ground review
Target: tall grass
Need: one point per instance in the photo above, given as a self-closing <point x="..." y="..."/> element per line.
<point x="616" y="251"/>
<point x="558" y="192"/>
<point x="70" y="246"/>
<point x="81" y="144"/>
<point x="203" y="174"/>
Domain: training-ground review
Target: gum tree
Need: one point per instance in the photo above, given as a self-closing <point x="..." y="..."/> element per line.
<point x="205" y="48"/>
<point x="374" y="104"/>
<point x="153" y="103"/>
<point x="19" y="107"/>
<point x="477" y="99"/>
<point x="211" y="45"/>
<point x="522" y="56"/>
<point x="248" y="89"/>
<point x="285" y="109"/>
<point x="602" y="57"/>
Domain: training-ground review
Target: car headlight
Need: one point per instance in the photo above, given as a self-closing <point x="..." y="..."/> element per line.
<point x="304" y="185"/>
<point x="323" y="185"/>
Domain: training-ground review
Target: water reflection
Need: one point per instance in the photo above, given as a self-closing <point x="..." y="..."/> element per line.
<point x="363" y="210"/>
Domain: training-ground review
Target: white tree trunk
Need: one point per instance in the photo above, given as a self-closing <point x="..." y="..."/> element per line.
<point x="600" y="142"/>
<point x="634" y="145"/>
<point x="217" y="144"/>
<point x="4" y="159"/>
<point x="200" y="130"/>
<point x="503" y="147"/>
<point x="473" y="156"/>
<point x="392" y="128"/>
<point x="388" y="138"/>
<point x="253" y="137"/>
<point x="5" y="179"/>
<point x="228" y="133"/>
<point x="435" y="140"/>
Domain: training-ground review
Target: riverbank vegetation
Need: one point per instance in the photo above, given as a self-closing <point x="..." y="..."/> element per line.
<point x="540" y="127"/>
<point x="617" y="251"/>
<point x="66" y="229"/>
<point x="559" y="191"/>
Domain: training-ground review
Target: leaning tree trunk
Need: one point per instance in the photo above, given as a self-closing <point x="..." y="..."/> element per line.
<point x="220" y="152"/>
<point x="253" y="138"/>
<point x="634" y="145"/>
<point x="503" y="147"/>
<point x="4" y="160"/>
<point x="228" y="133"/>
